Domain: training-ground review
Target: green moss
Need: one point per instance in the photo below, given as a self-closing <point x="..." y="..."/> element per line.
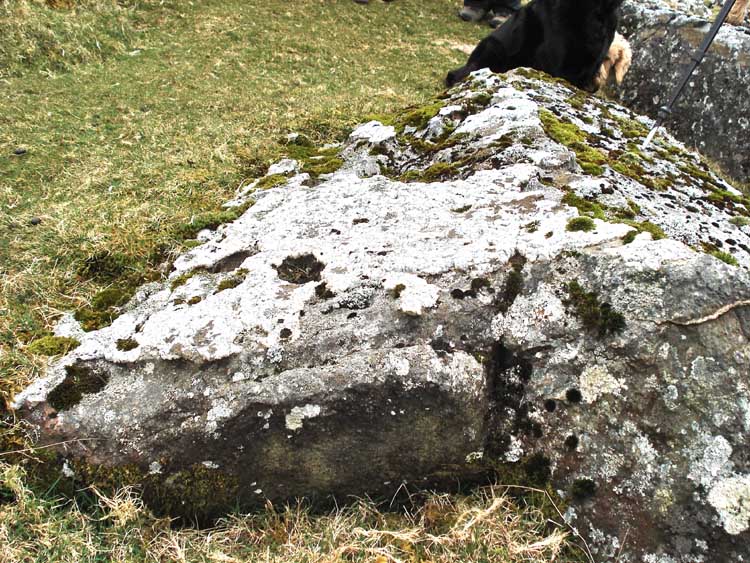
<point x="196" y="493"/>
<point x="694" y="172"/>
<point x="564" y="133"/>
<point x="647" y="227"/>
<point x="318" y="166"/>
<point x="183" y="278"/>
<point x="724" y="196"/>
<point x="594" y="315"/>
<point x="507" y="140"/>
<point x="662" y="184"/>
<point x="628" y="164"/>
<point x="739" y="221"/>
<point x="79" y="380"/>
<point x="630" y="237"/>
<point x="482" y="98"/>
<point x="105" y="307"/>
<point x="209" y="220"/>
<point x="53" y="345"/>
<point x="580" y="224"/>
<point x="630" y="128"/>
<point x="584" y="206"/>
<point x="437" y="172"/>
<point x="578" y="100"/>
<point x="416" y="117"/>
<point x="570" y="135"/>
<point x="106" y="266"/>
<point x="232" y="281"/>
<point x="126" y="344"/>
<point x="268" y="182"/>
<point x="725" y="257"/>
<point x="111" y="297"/>
<point x="194" y="300"/>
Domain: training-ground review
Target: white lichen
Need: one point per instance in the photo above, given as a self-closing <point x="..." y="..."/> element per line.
<point x="731" y="499"/>
<point x="294" y="420"/>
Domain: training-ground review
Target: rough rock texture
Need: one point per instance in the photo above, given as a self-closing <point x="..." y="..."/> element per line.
<point x="713" y="114"/>
<point x="459" y="296"/>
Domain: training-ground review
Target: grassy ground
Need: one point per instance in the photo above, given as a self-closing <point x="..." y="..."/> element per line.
<point x="183" y="103"/>
<point x="121" y="122"/>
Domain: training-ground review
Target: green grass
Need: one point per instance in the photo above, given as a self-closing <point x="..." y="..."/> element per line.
<point x="132" y="144"/>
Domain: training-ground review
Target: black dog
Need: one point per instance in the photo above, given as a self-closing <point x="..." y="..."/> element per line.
<point x="565" y="38"/>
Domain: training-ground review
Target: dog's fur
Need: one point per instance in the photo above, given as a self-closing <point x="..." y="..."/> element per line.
<point x="738" y="12"/>
<point x="568" y="39"/>
<point x="618" y="59"/>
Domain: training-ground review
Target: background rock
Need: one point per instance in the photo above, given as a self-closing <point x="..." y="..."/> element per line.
<point x="500" y="281"/>
<point x="713" y="113"/>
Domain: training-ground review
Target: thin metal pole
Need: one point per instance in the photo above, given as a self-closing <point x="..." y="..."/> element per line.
<point x="695" y="59"/>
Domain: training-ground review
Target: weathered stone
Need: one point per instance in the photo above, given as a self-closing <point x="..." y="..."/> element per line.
<point x="380" y="330"/>
<point x="713" y="113"/>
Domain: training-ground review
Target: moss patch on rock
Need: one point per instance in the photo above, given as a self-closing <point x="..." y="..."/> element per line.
<point x="580" y="224"/>
<point x="435" y="173"/>
<point x="183" y="278"/>
<point x="594" y="315"/>
<point x="591" y="160"/>
<point x="271" y="181"/>
<point x="126" y="344"/>
<point x="724" y="257"/>
<point x="210" y="220"/>
<point x="105" y="307"/>
<point x="53" y="345"/>
<point x="232" y="281"/>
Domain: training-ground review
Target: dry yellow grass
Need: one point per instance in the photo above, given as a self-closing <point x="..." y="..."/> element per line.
<point x="486" y="526"/>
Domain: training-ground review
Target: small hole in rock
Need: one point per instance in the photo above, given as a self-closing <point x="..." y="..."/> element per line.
<point x="550" y="405"/>
<point x="571" y="442"/>
<point x="285" y="334"/>
<point x="300" y="269"/>
<point x="573" y="395"/>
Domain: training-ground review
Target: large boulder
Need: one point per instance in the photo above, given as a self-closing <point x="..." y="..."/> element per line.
<point x="500" y="279"/>
<point x="713" y="113"/>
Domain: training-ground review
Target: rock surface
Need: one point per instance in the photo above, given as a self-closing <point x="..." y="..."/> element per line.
<point x="713" y="113"/>
<point x="459" y="296"/>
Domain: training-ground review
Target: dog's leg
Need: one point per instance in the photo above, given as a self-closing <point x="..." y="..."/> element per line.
<point x="737" y="14"/>
<point x="624" y="58"/>
<point x="619" y="57"/>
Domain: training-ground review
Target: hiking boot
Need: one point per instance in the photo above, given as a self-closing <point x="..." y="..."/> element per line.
<point x="500" y="13"/>
<point x="474" y="10"/>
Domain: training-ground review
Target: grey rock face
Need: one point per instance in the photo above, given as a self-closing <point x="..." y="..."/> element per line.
<point x="713" y="114"/>
<point x="366" y="331"/>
